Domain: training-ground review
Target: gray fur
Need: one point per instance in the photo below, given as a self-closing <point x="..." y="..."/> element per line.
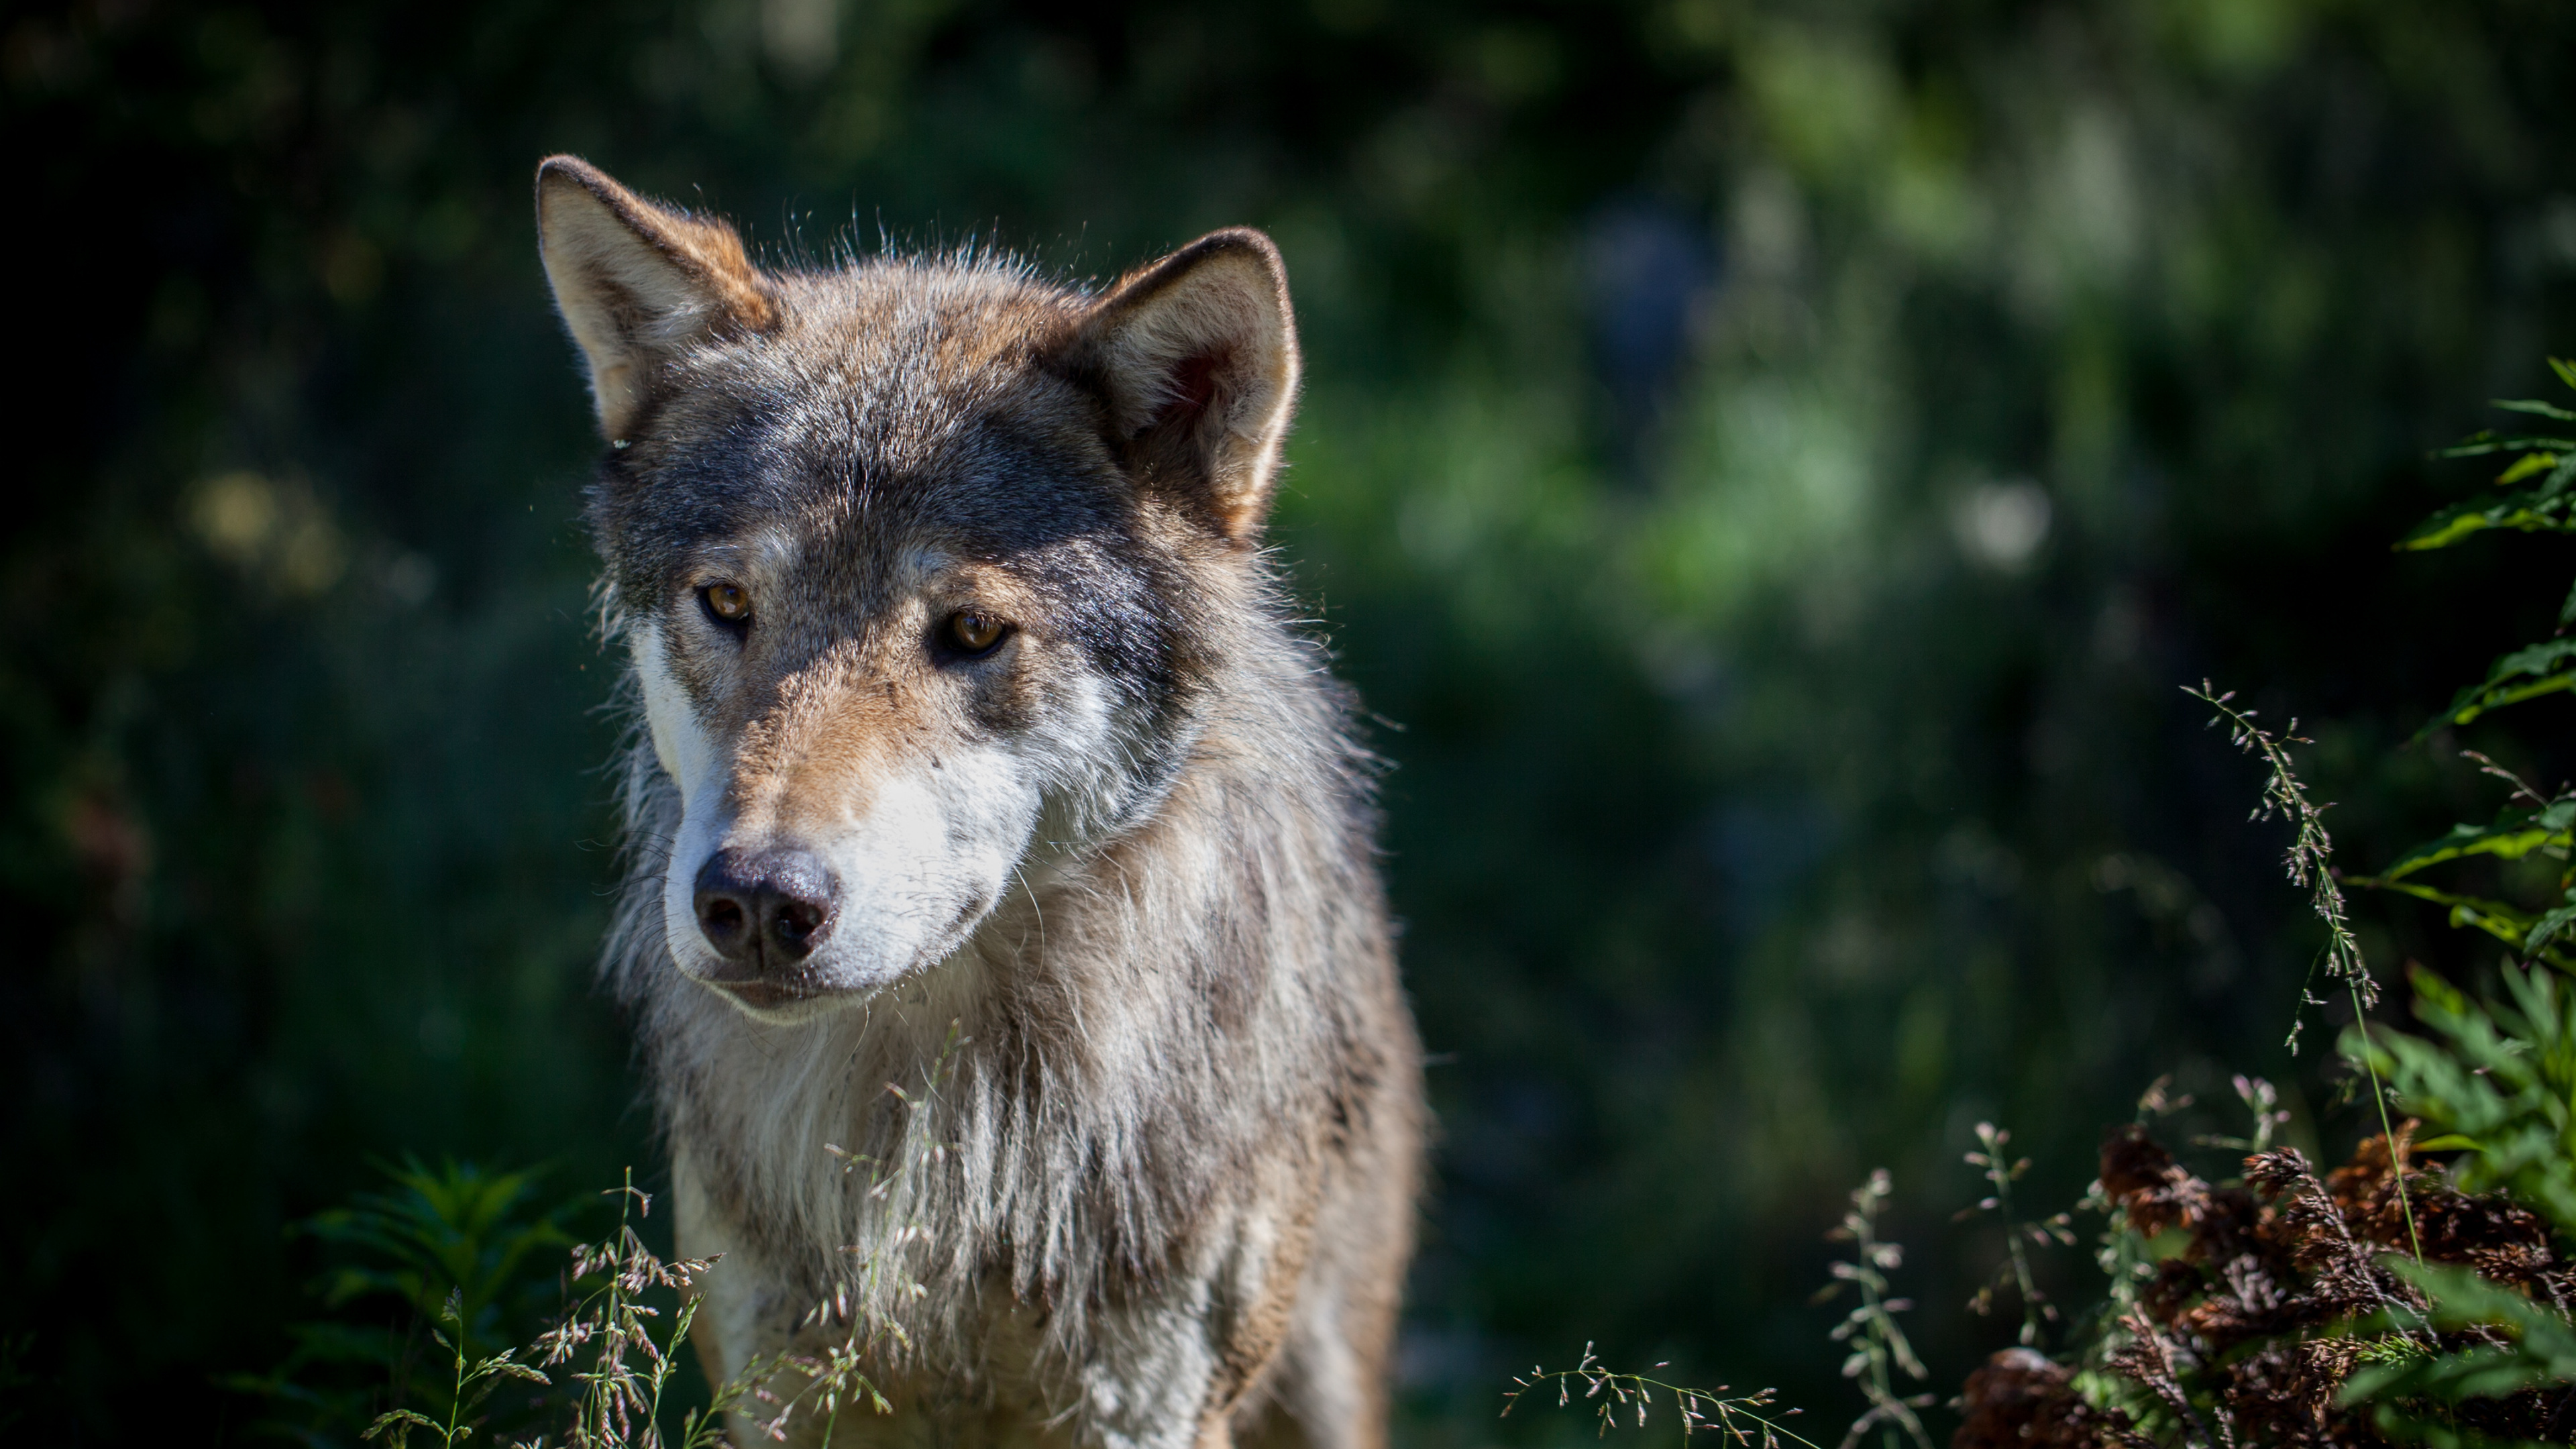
<point x="1162" y="1192"/>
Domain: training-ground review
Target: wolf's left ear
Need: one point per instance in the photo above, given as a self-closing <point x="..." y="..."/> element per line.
<point x="638" y="283"/>
<point x="1197" y="360"/>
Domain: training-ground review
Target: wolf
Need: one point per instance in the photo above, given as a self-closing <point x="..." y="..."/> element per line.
<point x="1003" y="929"/>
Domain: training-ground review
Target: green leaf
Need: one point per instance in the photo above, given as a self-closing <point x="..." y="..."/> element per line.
<point x="2566" y="370"/>
<point x="2562" y="475"/>
<point x="2515" y="834"/>
<point x="2548" y="927"/>
<point x="2526" y="465"/>
<point x="2509" y="924"/>
<point x="2543" y="668"/>
<point x="2483" y="442"/>
<point x="2534" y="407"/>
<point x="2533" y="510"/>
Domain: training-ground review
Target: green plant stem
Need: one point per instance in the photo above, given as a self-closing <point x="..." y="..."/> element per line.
<point x="2388" y="1132"/>
<point x="456" y="1400"/>
<point x="662" y="1366"/>
<point x="1999" y="1171"/>
<point x="2310" y="860"/>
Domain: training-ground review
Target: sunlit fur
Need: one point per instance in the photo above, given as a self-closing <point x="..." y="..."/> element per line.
<point x="1165" y="1181"/>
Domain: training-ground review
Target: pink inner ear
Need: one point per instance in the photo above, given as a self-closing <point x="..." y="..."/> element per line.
<point x="1194" y="381"/>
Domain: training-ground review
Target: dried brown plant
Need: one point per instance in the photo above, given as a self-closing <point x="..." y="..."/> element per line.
<point x="2277" y="1295"/>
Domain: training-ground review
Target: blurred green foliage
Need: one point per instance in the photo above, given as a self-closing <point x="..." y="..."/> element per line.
<point x="462" y="1252"/>
<point x="1769" y="466"/>
<point x="458" y="1229"/>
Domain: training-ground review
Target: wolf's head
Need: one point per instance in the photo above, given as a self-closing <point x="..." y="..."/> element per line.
<point x="924" y="565"/>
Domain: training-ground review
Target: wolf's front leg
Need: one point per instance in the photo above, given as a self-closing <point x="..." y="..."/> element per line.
<point x="1154" y="1380"/>
<point x="745" y="1313"/>
<point x="1174" y="1371"/>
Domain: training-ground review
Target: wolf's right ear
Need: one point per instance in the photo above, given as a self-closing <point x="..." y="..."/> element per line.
<point x="638" y="283"/>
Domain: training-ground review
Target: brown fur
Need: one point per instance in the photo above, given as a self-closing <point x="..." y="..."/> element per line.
<point x="1162" y="1194"/>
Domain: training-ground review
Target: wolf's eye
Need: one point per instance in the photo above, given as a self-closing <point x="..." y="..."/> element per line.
<point x="974" y="633"/>
<point x="730" y="603"/>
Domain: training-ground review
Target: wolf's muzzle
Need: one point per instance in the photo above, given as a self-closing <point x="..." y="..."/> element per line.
<point x="764" y="911"/>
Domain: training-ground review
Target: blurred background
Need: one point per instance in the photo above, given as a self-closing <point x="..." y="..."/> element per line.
<point x="1770" y="469"/>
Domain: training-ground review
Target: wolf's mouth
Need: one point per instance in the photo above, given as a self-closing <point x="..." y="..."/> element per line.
<point x="785" y="1002"/>
<point x="763" y="995"/>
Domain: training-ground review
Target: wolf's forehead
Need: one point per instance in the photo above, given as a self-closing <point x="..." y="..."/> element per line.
<point x="904" y="334"/>
<point x="899" y="369"/>
<point x="900" y="407"/>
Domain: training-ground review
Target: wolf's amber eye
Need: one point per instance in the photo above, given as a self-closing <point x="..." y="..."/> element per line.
<point x="973" y="632"/>
<point x="729" y="602"/>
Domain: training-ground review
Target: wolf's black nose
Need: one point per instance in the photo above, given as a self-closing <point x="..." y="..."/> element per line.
<point x="764" y="909"/>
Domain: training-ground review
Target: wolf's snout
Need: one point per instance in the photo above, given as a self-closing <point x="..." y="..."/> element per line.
<point x="764" y="909"/>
